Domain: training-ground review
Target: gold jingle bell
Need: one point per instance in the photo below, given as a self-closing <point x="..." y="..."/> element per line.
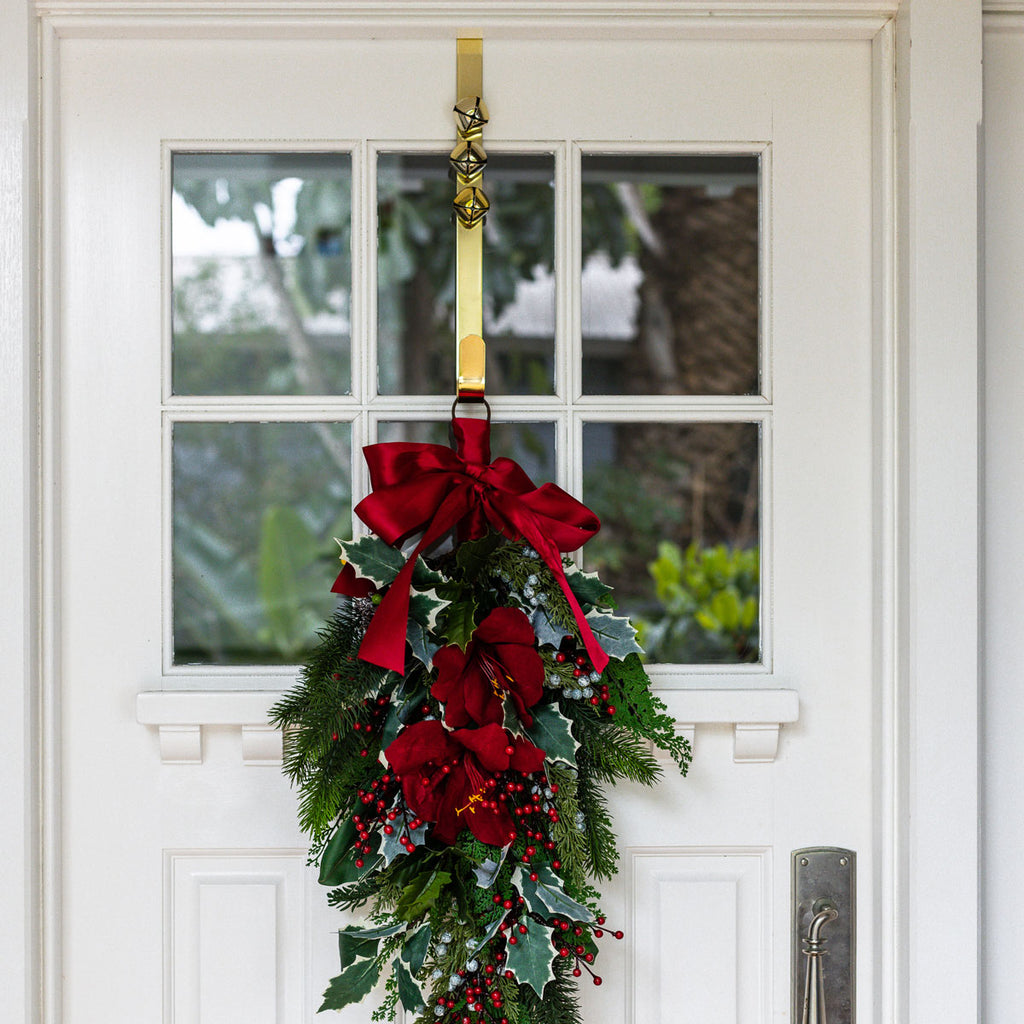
<point x="471" y="206"/>
<point x="471" y="116"/>
<point x="468" y="160"/>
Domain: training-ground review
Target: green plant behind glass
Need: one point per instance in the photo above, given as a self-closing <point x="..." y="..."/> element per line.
<point x="709" y="600"/>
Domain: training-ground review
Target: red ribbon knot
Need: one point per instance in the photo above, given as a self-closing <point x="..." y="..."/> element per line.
<point x="431" y="489"/>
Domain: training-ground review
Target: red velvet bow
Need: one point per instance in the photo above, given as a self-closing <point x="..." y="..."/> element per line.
<point x="430" y="488"/>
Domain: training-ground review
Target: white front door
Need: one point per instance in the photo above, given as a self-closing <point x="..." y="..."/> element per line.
<point x="185" y="893"/>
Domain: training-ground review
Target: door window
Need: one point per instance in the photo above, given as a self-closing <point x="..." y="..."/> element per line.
<point x="622" y="314"/>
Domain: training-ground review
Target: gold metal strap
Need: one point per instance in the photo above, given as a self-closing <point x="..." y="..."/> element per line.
<point x="468" y="160"/>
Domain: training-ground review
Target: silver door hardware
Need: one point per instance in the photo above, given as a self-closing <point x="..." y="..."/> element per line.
<point x="824" y="935"/>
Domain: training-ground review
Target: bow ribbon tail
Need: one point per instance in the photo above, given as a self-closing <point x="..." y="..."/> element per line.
<point x="553" y="559"/>
<point x="384" y="641"/>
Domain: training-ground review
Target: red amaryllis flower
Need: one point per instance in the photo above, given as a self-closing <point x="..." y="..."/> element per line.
<point x="500" y="661"/>
<point x="449" y="778"/>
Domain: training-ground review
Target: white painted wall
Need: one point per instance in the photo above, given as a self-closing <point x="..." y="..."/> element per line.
<point x="1003" y="695"/>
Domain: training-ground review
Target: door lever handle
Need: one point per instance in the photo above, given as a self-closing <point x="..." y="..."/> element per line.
<point x="814" y="980"/>
<point x="824" y="924"/>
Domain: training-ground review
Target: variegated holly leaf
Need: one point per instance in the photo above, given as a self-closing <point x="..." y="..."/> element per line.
<point x="414" y="952"/>
<point x="372" y="559"/>
<point x="392" y="846"/>
<point x="425" y="607"/>
<point x="408" y="991"/>
<point x="546" y="896"/>
<point x="487" y="872"/>
<point x="492" y="930"/>
<point x="423" y="648"/>
<point x="361" y="943"/>
<point x="586" y="586"/>
<point x="531" y="957"/>
<point x="552" y="732"/>
<point x="547" y="632"/>
<point x="615" y="634"/>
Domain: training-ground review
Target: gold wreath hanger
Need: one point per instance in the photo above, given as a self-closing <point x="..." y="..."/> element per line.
<point x="468" y="160"/>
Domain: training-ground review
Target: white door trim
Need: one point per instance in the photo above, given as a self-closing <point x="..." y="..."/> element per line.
<point x="927" y="421"/>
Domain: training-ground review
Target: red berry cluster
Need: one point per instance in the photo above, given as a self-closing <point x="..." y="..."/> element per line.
<point x="387" y="812"/>
<point x="474" y="1003"/>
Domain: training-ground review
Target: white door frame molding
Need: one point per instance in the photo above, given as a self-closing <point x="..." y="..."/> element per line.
<point x="927" y="426"/>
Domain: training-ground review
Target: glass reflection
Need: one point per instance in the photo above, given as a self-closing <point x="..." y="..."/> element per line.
<point x="679" y="510"/>
<point x="416" y="274"/>
<point x="256" y="508"/>
<point x="670" y="274"/>
<point x="261" y="268"/>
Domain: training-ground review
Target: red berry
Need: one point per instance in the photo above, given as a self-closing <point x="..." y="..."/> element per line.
<point x="600" y="920"/>
<point x="618" y="935"/>
<point x="508" y="904"/>
<point x="597" y="979"/>
<point x="611" y="709"/>
<point x="510" y="750"/>
<point x="359" y="863"/>
<point x="556" y="864"/>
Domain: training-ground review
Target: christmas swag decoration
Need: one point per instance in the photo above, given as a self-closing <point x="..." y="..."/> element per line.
<point x="451" y="734"/>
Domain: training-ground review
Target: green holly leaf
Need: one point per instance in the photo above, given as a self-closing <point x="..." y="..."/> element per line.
<point x="391" y="727"/>
<point x="552" y="732"/>
<point x="547" y="895"/>
<point x="414" y="952"/>
<point x="361" y="943"/>
<point x="615" y="634"/>
<point x="408" y="991"/>
<point x="473" y="554"/>
<point x="531" y="957"/>
<point x="421" y="894"/>
<point x="587" y="588"/>
<point x="351" y="985"/>
<point x="338" y="861"/>
<point x="425" y="607"/>
<point x="373" y="559"/>
<point x="460" y="621"/>
<point x="423" y="648"/>
<point x="425" y="578"/>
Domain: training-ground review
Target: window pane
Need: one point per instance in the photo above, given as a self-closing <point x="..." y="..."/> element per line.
<point x="256" y="508"/>
<point x="530" y="444"/>
<point x="678" y="504"/>
<point x="416" y="274"/>
<point x="262" y="273"/>
<point x="670" y="274"/>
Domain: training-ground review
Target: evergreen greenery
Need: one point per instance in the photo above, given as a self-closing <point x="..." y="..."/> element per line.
<point x="470" y="929"/>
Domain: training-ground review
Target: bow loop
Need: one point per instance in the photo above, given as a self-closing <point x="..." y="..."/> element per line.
<point x="430" y="489"/>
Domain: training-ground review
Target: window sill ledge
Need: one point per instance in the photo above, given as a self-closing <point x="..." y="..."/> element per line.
<point x="755" y="715"/>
